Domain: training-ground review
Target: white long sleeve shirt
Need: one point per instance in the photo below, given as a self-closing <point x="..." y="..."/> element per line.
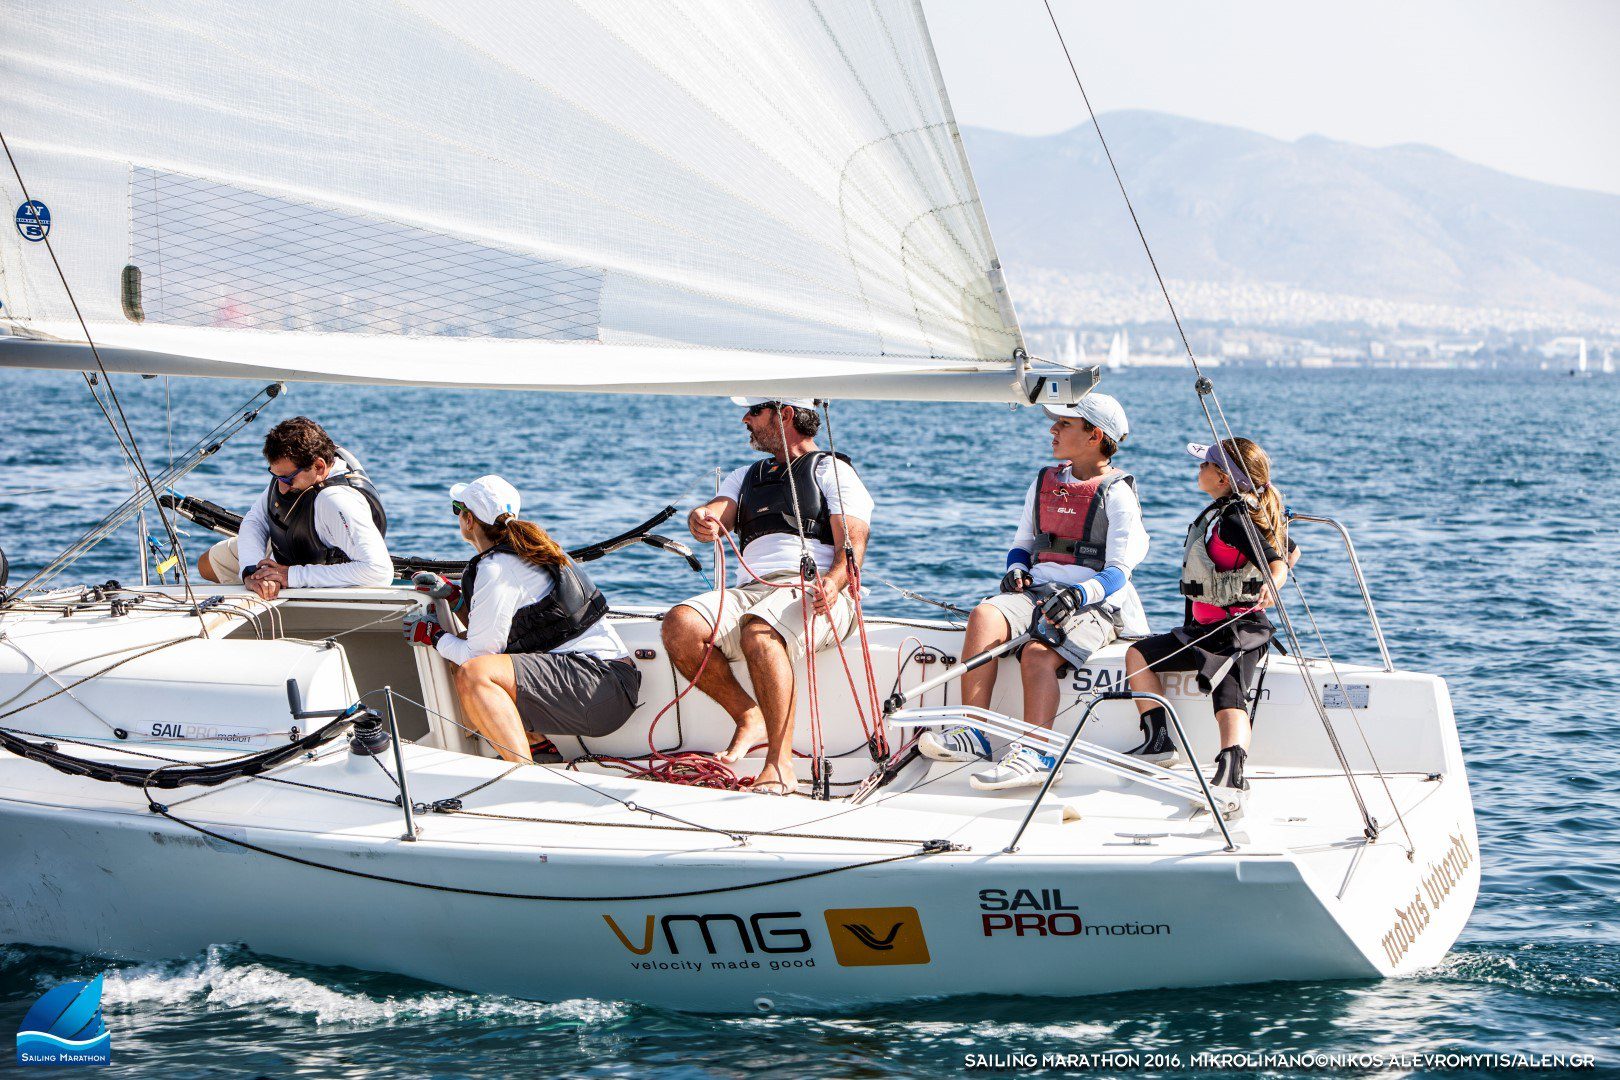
<point x="1127" y="547"/>
<point x="343" y="520"/>
<point x="505" y="584"/>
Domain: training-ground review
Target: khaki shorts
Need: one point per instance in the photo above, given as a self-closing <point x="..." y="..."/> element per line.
<point x="779" y="608"/>
<point x="226" y="562"/>
<point x="1086" y="632"/>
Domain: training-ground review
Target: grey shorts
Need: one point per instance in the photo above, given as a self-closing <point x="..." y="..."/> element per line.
<point x="1086" y="632"/>
<point x="574" y="693"/>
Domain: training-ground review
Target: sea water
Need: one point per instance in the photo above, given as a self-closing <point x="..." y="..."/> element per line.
<point x="1484" y="506"/>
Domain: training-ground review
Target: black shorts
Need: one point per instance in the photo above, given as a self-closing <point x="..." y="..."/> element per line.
<point x="574" y="693"/>
<point x="1225" y="667"/>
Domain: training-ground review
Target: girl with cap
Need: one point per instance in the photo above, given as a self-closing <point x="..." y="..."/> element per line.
<point x="538" y="657"/>
<point x="1232" y="566"/>
<point x="1081" y="529"/>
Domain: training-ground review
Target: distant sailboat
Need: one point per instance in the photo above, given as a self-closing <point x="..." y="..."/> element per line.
<point x="1073" y="353"/>
<point x="1119" y="351"/>
<point x="1608" y="361"/>
<point x="1581" y="370"/>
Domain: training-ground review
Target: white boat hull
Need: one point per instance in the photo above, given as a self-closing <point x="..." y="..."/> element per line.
<point x="821" y="906"/>
<point x="1083" y="925"/>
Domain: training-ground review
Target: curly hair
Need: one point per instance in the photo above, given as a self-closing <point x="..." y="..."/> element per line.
<point x="301" y="441"/>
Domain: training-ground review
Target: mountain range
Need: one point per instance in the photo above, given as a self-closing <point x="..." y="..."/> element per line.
<point x="1230" y="206"/>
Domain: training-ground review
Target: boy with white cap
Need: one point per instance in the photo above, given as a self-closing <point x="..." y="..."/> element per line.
<point x="1082" y="529"/>
<point x="800" y="500"/>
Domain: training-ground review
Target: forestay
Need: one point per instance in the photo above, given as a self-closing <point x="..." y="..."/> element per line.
<point x="686" y="196"/>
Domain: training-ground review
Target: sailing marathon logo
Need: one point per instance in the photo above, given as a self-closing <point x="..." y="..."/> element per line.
<point x="1039" y="913"/>
<point x="64" y="1027"/>
<point x="770" y="940"/>
<point x="33" y="220"/>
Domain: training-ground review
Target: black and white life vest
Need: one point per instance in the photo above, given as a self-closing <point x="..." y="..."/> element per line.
<point x="291" y="517"/>
<point x="572" y="606"/>
<point x="1071" y="518"/>
<point x="765" y="503"/>
<point x="1202" y="581"/>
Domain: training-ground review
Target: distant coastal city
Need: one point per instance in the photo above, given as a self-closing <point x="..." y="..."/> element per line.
<point x="1088" y="319"/>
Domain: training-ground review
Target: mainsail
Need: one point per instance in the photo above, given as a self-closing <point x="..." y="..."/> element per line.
<point x="688" y="196"/>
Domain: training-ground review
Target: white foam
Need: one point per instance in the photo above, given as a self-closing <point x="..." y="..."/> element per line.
<point x="223" y="978"/>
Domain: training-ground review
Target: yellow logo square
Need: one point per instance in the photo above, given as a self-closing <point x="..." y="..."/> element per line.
<point x="867" y="937"/>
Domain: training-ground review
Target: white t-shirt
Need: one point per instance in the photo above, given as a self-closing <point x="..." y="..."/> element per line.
<point x="343" y="520"/>
<point x="845" y="494"/>
<point x="505" y="584"/>
<point x="1127" y="547"/>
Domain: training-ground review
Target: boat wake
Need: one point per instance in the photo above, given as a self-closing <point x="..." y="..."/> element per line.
<point x="229" y="978"/>
<point x="1542" y="969"/>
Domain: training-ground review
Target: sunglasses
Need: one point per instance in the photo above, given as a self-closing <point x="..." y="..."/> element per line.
<point x="755" y="410"/>
<point x="288" y="479"/>
<point x="457" y="509"/>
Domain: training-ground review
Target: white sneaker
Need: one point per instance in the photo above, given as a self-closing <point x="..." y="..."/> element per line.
<point x="1020" y="767"/>
<point x="956" y="743"/>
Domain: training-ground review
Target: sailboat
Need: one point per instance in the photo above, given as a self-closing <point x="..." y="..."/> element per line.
<point x="1119" y="351"/>
<point x="693" y="198"/>
<point x="1581" y="371"/>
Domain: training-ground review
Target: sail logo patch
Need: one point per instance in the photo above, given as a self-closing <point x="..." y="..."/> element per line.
<point x="64" y="1027"/>
<point x="33" y="220"/>
<point x="869" y="937"/>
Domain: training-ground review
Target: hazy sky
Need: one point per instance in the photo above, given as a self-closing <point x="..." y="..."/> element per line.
<point x="1531" y="87"/>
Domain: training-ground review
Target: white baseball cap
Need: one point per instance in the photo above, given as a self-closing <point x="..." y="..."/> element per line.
<point x="796" y="402"/>
<point x="488" y="497"/>
<point x="1100" y="410"/>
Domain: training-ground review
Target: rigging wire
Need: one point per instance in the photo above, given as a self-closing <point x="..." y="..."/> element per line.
<point x="1206" y="388"/>
<point x="132" y="449"/>
<point x="880" y="748"/>
<point x="807" y="569"/>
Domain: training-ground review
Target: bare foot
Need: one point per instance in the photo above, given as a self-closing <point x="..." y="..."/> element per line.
<point x="750" y="733"/>
<point x="773" y="781"/>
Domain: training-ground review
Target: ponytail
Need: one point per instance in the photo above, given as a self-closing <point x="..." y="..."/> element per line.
<point x="1265" y="503"/>
<point x="528" y="541"/>
<point x="1266" y="511"/>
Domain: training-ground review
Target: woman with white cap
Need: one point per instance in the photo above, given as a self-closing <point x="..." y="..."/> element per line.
<point x="539" y="657"/>
<point x="1081" y="529"/>
<point x="1233" y="564"/>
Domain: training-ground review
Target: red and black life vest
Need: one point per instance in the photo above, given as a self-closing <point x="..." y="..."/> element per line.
<point x="1071" y="518"/>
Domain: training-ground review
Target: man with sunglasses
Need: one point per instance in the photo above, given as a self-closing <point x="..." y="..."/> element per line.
<point x="319" y="525"/>
<point x="760" y="619"/>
